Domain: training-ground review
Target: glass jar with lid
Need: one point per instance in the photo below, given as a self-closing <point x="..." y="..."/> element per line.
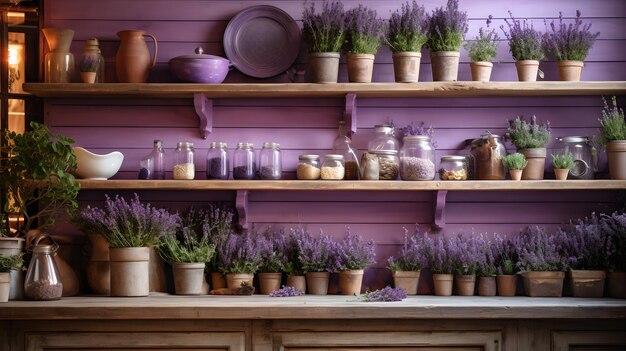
<point x="488" y="152"/>
<point x="43" y="281"/>
<point x="453" y="168"/>
<point x="584" y="154"/>
<point x="342" y="146"/>
<point x="383" y="139"/>
<point x="308" y="167"/>
<point x="388" y="164"/>
<point x="332" y="167"/>
<point x="151" y="167"/>
<point x="217" y="163"/>
<point x="184" y="167"/>
<point x="417" y="158"/>
<point x="270" y="163"/>
<point x="244" y="161"/>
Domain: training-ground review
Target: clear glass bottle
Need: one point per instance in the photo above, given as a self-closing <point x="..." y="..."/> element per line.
<point x="184" y="167"/>
<point x="584" y="153"/>
<point x="152" y="166"/>
<point x="217" y="162"/>
<point x="332" y="167"/>
<point x="388" y="164"/>
<point x="308" y="167"/>
<point x="43" y="281"/>
<point x="92" y="48"/>
<point x="383" y="139"/>
<point x="417" y="158"/>
<point x="453" y="168"/>
<point x="488" y="152"/>
<point x="244" y="161"/>
<point x="270" y="162"/>
<point x="342" y="146"/>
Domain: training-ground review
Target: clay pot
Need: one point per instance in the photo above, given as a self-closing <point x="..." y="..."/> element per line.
<point x="234" y="281"/>
<point x="59" y="61"/>
<point x="350" y="282"/>
<point x="445" y="65"/>
<point x="570" y="70"/>
<point x="407" y="281"/>
<point x="297" y="281"/>
<point x="543" y="284"/>
<point x="443" y="284"/>
<point x="465" y="284"/>
<point x="88" y="77"/>
<point x="317" y="283"/>
<point x="536" y="158"/>
<point x="188" y="278"/>
<point x="406" y="66"/>
<point x="481" y="71"/>
<point x="516" y="174"/>
<point x="507" y="284"/>
<point x="218" y="280"/>
<point x="587" y="283"/>
<point x="5" y="286"/>
<point x="487" y="286"/>
<point x="360" y="68"/>
<point x="616" y="155"/>
<point x="132" y="60"/>
<point x="98" y="267"/>
<point x="617" y="284"/>
<point x="10" y="247"/>
<point x="269" y="282"/>
<point x="527" y="70"/>
<point x="130" y="271"/>
<point x="323" y="67"/>
<point x="561" y="173"/>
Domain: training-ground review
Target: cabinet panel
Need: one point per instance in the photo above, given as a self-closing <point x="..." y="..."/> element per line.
<point x="417" y="348"/>
<point x="588" y="340"/>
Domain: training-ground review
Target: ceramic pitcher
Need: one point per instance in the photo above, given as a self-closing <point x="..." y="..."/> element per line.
<point x="132" y="61"/>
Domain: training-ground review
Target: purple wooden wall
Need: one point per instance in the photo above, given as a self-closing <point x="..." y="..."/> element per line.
<point x="308" y="125"/>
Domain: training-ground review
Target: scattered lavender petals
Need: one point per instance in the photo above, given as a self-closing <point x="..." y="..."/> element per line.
<point x="387" y="294"/>
<point x="286" y="291"/>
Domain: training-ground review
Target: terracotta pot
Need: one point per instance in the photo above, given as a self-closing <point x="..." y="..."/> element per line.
<point x="132" y="60"/>
<point x="587" y="283"/>
<point x="59" y="61"/>
<point x="407" y="280"/>
<point x="516" y="174"/>
<point x="406" y="66"/>
<point x="350" y="282"/>
<point x="481" y="71"/>
<point x="188" y="278"/>
<point x="10" y="247"/>
<point x="465" y="284"/>
<point x="130" y="271"/>
<point x="443" y="284"/>
<point x="158" y="281"/>
<point x="98" y="267"/>
<point x="570" y="70"/>
<point x="487" y="286"/>
<point x="507" y="284"/>
<point x="317" y="283"/>
<point x="616" y="155"/>
<point x="297" y="281"/>
<point x="323" y="67"/>
<point x="360" y="68"/>
<point x="269" y="282"/>
<point x="5" y="286"/>
<point x="527" y="70"/>
<point x="561" y="173"/>
<point x="617" y="284"/>
<point x="234" y="281"/>
<point x="88" y="77"/>
<point x="536" y="158"/>
<point x="218" y="280"/>
<point x="445" y="65"/>
<point x="543" y="284"/>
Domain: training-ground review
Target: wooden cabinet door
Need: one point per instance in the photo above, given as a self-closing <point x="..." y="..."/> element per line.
<point x="588" y="340"/>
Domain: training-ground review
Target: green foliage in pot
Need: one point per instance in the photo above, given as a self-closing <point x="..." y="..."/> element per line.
<point x="364" y="31"/>
<point x="485" y="46"/>
<point x="447" y="27"/>
<point x="515" y="161"/>
<point x="528" y="135"/>
<point x="11" y="263"/>
<point x="408" y="28"/>
<point x="525" y="42"/>
<point x="562" y="161"/>
<point x="191" y="242"/>
<point x="569" y="42"/>
<point x="36" y="172"/>
<point x="326" y="31"/>
<point x="613" y="124"/>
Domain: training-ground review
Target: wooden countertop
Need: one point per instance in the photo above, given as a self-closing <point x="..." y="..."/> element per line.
<point x="164" y="306"/>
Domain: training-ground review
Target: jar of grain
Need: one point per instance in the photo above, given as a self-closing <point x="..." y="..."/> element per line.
<point x="332" y="167"/>
<point x="417" y="158"/>
<point x="453" y="168"/>
<point x="43" y="281"/>
<point x="217" y="163"/>
<point x="308" y="167"/>
<point x="184" y="167"/>
<point x="388" y="164"/>
<point x="244" y="161"/>
<point x="270" y="162"/>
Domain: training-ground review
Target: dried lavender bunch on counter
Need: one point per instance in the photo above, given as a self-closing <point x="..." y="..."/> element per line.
<point x="386" y="294"/>
<point x="286" y="291"/>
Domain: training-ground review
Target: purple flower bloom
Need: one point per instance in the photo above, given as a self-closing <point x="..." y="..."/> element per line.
<point x="386" y="294"/>
<point x="412" y="257"/>
<point x="540" y="251"/>
<point x="354" y="252"/>
<point x="527" y="135"/>
<point x="439" y="253"/>
<point x="316" y="254"/>
<point x="485" y="45"/>
<point x="273" y="247"/>
<point x="506" y="255"/>
<point x="569" y="42"/>
<point x="239" y="254"/>
<point x="408" y="28"/>
<point x="614" y="227"/>
<point x="465" y="254"/>
<point x="364" y="30"/>
<point x="286" y="291"/>
<point x="525" y="42"/>
<point x="447" y="27"/>
<point x="325" y="32"/>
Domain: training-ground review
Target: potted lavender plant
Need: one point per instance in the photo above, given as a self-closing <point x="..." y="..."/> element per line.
<point x="439" y="253"/>
<point x="526" y="45"/>
<point x="446" y="30"/>
<point x="486" y="266"/>
<point x="88" y="67"/>
<point x="465" y="262"/>
<point x="407" y="266"/>
<point x="273" y="260"/>
<point x="352" y="255"/>
<point x="570" y="45"/>
<point x="364" y="32"/>
<point x="530" y="139"/>
<point x="406" y="36"/>
<point x="562" y="163"/>
<point x="293" y="266"/>
<point x="506" y="259"/>
<point x="614" y="226"/>
<point x="613" y="138"/>
<point x="240" y="258"/>
<point x="317" y="255"/>
<point x="481" y="51"/>
<point x="325" y="33"/>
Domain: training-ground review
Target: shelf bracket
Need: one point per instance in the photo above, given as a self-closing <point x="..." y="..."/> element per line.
<point x="439" y="209"/>
<point x="241" y="204"/>
<point x="349" y="114"/>
<point x="204" y="109"/>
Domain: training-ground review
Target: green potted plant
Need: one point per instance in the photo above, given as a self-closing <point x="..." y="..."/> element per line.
<point x="446" y="30"/>
<point x="273" y="246"/>
<point x="613" y="138"/>
<point x="526" y="45"/>
<point x="506" y="265"/>
<point x="406" y="268"/>
<point x="481" y="51"/>
<point x="562" y="163"/>
<point x="7" y="265"/>
<point x="240" y="259"/>
<point x="317" y="256"/>
<point x="325" y="33"/>
<point x="515" y="163"/>
<point x="530" y="138"/>
<point x="406" y="36"/>
<point x="570" y="45"/>
<point x="352" y="255"/>
<point x="88" y="67"/>
<point x="364" y="37"/>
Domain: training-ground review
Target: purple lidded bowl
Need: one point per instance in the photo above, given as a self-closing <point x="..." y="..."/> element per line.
<point x="200" y="68"/>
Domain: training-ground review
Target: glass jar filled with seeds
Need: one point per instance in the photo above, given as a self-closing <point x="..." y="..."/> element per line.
<point x="332" y="167"/>
<point x="270" y="163"/>
<point x="217" y="163"/>
<point x="184" y="167"/>
<point x="453" y="168"/>
<point x="417" y="158"/>
<point x="388" y="164"/>
<point x="244" y="161"/>
<point x="308" y="167"/>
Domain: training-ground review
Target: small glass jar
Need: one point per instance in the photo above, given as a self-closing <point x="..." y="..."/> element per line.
<point x="308" y="167"/>
<point x="43" y="281"/>
<point x="342" y="145"/>
<point x="383" y="139"/>
<point x="270" y="162"/>
<point x="453" y="168"/>
<point x="417" y="158"/>
<point x="151" y="167"/>
<point x="388" y="164"/>
<point x="184" y="168"/>
<point x="217" y="163"/>
<point x="332" y="168"/>
<point x="584" y="153"/>
<point x="244" y="161"/>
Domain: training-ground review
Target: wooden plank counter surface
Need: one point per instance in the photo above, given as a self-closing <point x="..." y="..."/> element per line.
<point x="164" y="306"/>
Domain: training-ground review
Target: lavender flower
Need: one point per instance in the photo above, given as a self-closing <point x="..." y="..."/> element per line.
<point x="354" y="252"/>
<point x="540" y="251"/>
<point x="525" y="42"/>
<point x="569" y="42"/>
<point x="316" y="254"/>
<point x="528" y="135"/>
<point x="486" y="265"/>
<point x="386" y="294"/>
<point x="485" y="45"/>
<point x="416" y="129"/>
<point x="293" y="266"/>
<point x="408" y="28"/>
<point x="191" y="242"/>
<point x="239" y="254"/>
<point x="273" y="246"/>
<point x="439" y="253"/>
<point x="613" y="124"/>
<point x="326" y="31"/>
<point x="286" y="291"/>
<point x="364" y="31"/>
<point x="585" y="244"/>
<point x="506" y="255"/>
<point x="447" y="27"/>
<point x="614" y="227"/>
<point x="411" y="257"/>
<point x="466" y="254"/>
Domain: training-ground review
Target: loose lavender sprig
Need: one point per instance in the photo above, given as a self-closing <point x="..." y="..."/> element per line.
<point x="525" y="42"/>
<point x="364" y="31"/>
<point x="485" y="45"/>
<point x="569" y="42"/>
<point x="447" y="27"/>
<point x="386" y="294"/>
<point x="408" y="28"/>
<point x="354" y="252"/>
<point x="286" y="291"/>
<point x="326" y="31"/>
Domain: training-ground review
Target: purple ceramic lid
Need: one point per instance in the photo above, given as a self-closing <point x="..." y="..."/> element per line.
<point x="199" y="55"/>
<point x="262" y="41"/>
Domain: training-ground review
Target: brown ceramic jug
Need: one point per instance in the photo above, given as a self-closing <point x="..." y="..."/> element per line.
<point x="132" y="61"/>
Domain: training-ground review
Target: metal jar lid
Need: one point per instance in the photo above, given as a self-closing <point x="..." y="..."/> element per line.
<point x="453" y="158"/>
<point x="333" y="157"/>
<point x="308" y="157"/>
<point x="184" y="144"/>
<point x="218" y="145"/>
<point x="573" y="139"/>
<point x="271" y="145"/>
<point x="245" y="145"/>
<point x="416" y="138"/>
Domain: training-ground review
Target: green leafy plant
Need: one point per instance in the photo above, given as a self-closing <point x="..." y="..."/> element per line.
<point x="408" y="28"/>
<point x="485" y="45"/>
<point x="562" y="161"/>
<point x="515" y="161"/>
<point x="528" y="135"/>
<point x="10" y="263"/>
<point x="613" y="124"/>
<point x="191" y="242"/>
